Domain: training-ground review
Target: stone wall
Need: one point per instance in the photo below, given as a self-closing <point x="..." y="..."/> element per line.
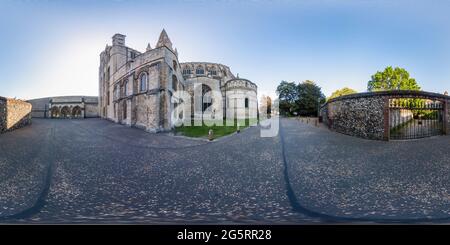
<point x="14" y="114"/>
<point x="2" y="114"/>
<point x="366" y="115"/>
<point x="362" y="117"/>
<point x="448" y="116"/>
<point x="91" y="110"/>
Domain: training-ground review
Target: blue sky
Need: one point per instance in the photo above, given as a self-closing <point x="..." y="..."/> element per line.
<point x="50" y="48"/>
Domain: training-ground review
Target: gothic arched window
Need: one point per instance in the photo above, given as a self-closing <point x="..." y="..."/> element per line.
<point x="143" y="82"/>
<point x="200" y="71"/>
<point x="187" y="71"/>
<point x="174" y="83"/>
<point x="175" y="65"/>
<point x="212" y="71"/>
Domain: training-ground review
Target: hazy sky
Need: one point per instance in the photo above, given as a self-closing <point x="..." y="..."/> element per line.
<point x="50" y="48"/>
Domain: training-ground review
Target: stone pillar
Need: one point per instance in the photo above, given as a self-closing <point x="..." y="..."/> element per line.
<point x="83" y="109"/>
<point x="49" y="111"/>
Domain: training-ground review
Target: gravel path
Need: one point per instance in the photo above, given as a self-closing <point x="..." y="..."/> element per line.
<point x="104" y="172"/>
<point x="95" y="171"/>
<point x="343" y="177"/>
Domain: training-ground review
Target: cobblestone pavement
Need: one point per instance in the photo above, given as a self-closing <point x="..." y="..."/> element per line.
<point x="105" y="172"/>
<point x="339" y="177"/>
<point x="95" y="171"/>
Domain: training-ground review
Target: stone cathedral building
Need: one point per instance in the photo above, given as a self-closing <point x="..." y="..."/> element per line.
<point x="142" y="89"/>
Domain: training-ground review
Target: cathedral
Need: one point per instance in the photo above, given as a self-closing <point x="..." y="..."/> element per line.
<point x="152" y="90"/>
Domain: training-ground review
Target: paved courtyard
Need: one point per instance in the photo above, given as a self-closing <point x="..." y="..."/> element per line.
<point x="95" y="171"/>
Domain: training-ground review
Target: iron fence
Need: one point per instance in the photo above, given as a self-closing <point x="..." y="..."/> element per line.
<point x="415" y="118"/>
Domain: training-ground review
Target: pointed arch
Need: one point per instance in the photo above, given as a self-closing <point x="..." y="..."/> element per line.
<point x="200" y="70"/>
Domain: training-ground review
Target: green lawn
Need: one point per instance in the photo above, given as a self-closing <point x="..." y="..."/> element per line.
<point x="219" y="131"/>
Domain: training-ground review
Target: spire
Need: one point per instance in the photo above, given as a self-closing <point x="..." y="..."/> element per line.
<point x="164" y="40"/>
<point x="149" y="47"/>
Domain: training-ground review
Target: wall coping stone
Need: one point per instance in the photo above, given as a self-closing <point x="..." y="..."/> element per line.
<point x="392" y="93"/>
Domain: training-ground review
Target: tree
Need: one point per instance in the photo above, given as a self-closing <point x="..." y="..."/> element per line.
<point x="395" y="79"/>
<point x="310" y="97"/>
<point x="302" y="99"/>
<point x="287" y="95"/>
<point x="341" y="92"/>
<point x="392" y="79"/>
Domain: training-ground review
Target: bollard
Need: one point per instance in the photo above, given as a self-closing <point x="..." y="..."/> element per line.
<point x="238" y="130"/>
<point x="317" y="122"/>
<point x="210" y="135"/>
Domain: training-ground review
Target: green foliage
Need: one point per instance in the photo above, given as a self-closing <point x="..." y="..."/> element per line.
<point x="287" y="95"/>
<point x="341" y="92"/>
<point x="392" y="79"/>
<point x="310" y="96"/>
<point x="302" y="99"/>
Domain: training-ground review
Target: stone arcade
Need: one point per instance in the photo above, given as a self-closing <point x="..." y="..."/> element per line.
<point x="65" y="107"/>
<point x="143" y="89"/>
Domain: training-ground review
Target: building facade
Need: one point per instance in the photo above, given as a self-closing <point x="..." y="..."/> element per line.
<point x="154" y="91"/>
<point x="65" y="107"/>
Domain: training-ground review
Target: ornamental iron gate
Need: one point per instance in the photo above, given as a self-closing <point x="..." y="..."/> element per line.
<point x="411" y="118"/>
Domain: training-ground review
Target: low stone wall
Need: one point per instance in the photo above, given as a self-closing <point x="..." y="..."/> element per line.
<point x="362" y="117"/>
<point x="14" y="114"/>
<point x="366" y="115"/>
<point x="447" y="105"/>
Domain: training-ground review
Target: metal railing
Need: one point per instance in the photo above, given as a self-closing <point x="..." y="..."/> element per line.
<point x="412" y="118"/>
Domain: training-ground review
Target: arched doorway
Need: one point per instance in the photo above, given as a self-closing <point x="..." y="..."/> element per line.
<point x="54" y="112"/>
<point x="76" y="112"/>
<point x="65" y="112"/>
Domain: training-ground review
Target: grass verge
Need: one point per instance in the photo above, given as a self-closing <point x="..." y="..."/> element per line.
<point x="228" y="127"/>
